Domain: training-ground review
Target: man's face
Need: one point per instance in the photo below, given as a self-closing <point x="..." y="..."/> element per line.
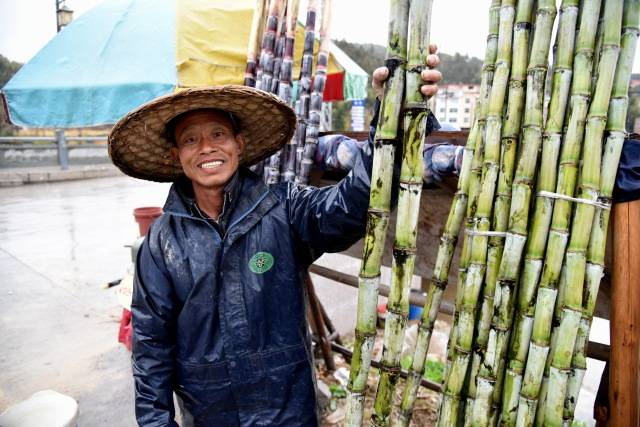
<point x="207" y="148"/>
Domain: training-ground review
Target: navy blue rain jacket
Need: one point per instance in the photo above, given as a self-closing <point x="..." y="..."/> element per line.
<point x="220" y="319"/>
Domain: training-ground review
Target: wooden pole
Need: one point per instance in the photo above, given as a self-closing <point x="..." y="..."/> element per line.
<point x="624" y="389"/>
<point x="318" y="321"/>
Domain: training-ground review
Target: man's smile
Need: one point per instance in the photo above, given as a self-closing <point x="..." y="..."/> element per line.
<point x="211" y="164"/>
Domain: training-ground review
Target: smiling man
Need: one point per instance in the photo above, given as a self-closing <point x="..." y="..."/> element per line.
<point x="218" y="305"/>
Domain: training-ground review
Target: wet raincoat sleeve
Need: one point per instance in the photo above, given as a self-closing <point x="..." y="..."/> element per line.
<point x="331" y="219"/>
<point x="153" y="341"/>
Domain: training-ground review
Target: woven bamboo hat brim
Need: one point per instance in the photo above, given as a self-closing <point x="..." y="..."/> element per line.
<point x="138" y="145"/>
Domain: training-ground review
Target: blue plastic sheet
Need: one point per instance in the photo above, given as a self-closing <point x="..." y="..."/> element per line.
<point x="627" y="186"/>
<point x="99" y="67"/>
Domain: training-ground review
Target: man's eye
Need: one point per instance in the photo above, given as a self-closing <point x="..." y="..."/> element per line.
<point x="218" y="134"/>
<point x="189" y="140"/>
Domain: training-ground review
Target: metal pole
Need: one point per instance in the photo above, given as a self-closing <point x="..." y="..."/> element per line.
<point x="58" y="26"/>
<point x="63" y="151"/>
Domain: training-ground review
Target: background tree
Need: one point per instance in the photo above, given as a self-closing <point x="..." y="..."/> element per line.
<point x="7" y="69"/>
<point x="455" y="68"/>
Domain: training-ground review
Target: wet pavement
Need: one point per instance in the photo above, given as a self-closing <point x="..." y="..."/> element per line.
<point x="59" y="243"/>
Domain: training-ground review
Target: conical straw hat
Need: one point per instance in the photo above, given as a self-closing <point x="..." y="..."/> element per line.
<point x="139" y="147"/>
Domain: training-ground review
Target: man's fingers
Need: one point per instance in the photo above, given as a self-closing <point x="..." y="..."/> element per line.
<point x="431" y="76"/>
<point x="380" y="74"/>
<point x="433" y="60"/>
<point x="429" y="90"/>
<point x="433" y="48"/>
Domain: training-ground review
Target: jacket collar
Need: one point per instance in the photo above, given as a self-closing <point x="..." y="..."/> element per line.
<point x="181" y="199"/>
<point x="247" y="199"/>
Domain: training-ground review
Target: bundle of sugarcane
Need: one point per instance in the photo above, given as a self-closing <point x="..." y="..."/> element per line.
<point x="478" y="405"/>
<point x="255" y="35"/>
<point x="387" y="135"/>
<point x="315" y="106"/>
<point x="617" y="114"/>
<point x="543" y="207"/>
<point x="453" y="398"/>
<point x="284" y="88"/>
<point x="569" y="304"/>
<point x="528" y="372"/>
<point x="415" y="113"/>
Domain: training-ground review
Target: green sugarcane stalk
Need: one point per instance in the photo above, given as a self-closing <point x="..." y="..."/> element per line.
<point x="315" y="107"/>
<point x="543" y="208"/>
<point x="482" y="220"/>
<point x="481" y="412"/>
<point x="284" y="88"/>
<point x="255" y="35"/>
<point x="475" y="179"/>
<point x="617" y="114"/>
<point x="415" y="111"/>
<point x="558" y="235"/>
<point x="387" y="136"/>
<point x="474" y="186"/>
<point x="440" y="276"/>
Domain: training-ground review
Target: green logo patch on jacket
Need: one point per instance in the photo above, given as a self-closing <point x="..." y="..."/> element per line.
<point x="261" y="262"/>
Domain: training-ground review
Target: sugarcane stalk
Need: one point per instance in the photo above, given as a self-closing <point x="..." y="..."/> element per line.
<point x="465" y="256"/>
<point x="284" y="88"/>
<point x="558" y="234"/>
<point x="270" y="84"/>
<point x="279" y="54"/>
<point x="255" y="35"/>
<point x="437" y="285"/>
<point x="482" y="411"/>
<point x="543" y="207"/>
<point x="482" y="220"/>
<point x="265" y="66"/>
<point x="304" y="82"/>
<point x="617" y="114"/>
<point x="315" y="112"/>
<point x="475" y="179"/>
<point x="387" y="136"/>
<point x="415" y="112"/>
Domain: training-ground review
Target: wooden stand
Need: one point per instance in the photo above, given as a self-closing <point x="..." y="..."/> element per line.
<point x="624" y="384"/>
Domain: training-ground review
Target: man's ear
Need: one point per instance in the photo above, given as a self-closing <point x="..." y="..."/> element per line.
<point x="175" y="154"/>
<point x="242" y="143"/>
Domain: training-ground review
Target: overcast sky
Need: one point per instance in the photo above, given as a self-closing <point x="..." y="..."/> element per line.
<point x="457" y="25"/>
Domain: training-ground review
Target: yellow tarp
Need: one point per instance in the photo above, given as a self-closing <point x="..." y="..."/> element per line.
<point x="212" y="40"/>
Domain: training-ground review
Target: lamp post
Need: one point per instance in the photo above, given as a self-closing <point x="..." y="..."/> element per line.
<point x="64" y="15"/>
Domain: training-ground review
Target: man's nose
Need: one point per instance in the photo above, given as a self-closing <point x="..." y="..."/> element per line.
<point x="207" y="144"/>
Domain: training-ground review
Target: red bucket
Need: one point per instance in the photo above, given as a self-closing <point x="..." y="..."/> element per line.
<point x="145" y="216"/>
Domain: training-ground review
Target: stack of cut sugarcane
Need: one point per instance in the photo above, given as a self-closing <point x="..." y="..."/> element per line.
<point x="272" y="72"/>
<point x="534" y="197"/>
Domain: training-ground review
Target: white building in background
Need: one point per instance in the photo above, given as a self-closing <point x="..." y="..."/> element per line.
<point x="455" y="103"/>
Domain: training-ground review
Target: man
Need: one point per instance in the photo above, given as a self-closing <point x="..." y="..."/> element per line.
<point x="218" y="305"/>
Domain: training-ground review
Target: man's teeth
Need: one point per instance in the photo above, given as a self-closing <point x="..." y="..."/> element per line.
<point x="211" y="165"/>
